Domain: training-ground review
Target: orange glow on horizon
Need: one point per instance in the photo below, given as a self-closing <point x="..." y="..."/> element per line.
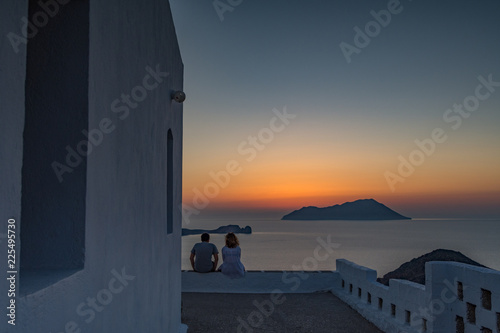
<point x="299" y="169"/>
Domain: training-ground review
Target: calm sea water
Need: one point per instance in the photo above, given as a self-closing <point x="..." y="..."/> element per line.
<point x="380" y="245"/>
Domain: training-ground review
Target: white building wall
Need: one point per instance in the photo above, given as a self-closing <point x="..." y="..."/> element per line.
<point x="126" y="195"/>
<point x="260" y="282"/>
<point x="126" y="216"/>
<point x="12" y="76"/>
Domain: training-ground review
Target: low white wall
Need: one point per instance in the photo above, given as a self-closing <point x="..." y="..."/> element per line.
<point x="260" y="282"/>
<point x="385" y="306"/>
<point x="410" y="307"/>
<point x="479" y="303"/>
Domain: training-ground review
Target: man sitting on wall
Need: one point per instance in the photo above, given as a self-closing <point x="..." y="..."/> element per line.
<point x="201" y="255"/>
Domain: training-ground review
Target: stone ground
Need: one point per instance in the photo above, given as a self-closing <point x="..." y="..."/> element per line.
<point x="313" y="312"/>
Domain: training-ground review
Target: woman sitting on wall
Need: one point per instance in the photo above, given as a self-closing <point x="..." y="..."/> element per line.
<point x="231" y="257"/>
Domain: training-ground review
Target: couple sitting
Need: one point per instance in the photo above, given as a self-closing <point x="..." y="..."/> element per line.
<point x="201" y="256"/>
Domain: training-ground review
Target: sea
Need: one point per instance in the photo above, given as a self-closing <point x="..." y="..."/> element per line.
<point x="381" y="245"/>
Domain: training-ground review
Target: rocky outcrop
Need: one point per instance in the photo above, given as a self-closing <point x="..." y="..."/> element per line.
<point x="414" y="270"/>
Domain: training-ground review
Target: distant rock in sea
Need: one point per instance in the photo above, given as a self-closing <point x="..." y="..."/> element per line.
<point x="414" y="270"/>
<point x="364" y="209"/>
<point x="220" y="230"/>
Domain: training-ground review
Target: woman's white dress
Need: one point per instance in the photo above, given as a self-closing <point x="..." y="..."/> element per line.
<point x="232" y="265"/>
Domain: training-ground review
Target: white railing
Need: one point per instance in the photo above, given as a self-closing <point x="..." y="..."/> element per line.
<point x="456" y="298"/>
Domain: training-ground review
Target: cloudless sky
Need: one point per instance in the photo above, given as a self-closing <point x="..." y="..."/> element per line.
<point x="352" y="120"/>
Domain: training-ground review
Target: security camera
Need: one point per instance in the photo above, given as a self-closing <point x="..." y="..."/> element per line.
<point x="178" y="96"/>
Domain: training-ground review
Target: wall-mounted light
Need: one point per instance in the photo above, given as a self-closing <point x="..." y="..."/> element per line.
<point x="178" y="96"/>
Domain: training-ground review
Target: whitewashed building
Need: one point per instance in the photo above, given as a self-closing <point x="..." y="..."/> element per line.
<point x="91" y="151"/>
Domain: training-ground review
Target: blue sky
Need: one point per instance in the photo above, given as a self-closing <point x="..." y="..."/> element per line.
<point x="273" y="54"/>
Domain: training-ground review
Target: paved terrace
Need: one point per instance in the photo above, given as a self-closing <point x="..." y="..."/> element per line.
<point x="456" y="297"/>
<point x="267" y="302"/>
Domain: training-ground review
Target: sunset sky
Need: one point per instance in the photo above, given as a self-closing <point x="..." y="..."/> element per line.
<point x="347" y="121"/>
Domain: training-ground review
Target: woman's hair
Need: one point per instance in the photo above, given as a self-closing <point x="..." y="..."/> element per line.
<point x="232" y="240"/>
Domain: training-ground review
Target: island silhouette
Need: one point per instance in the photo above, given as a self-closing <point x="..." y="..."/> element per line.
<point x="362" y="209"/>
<point x="220" y="230"/>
